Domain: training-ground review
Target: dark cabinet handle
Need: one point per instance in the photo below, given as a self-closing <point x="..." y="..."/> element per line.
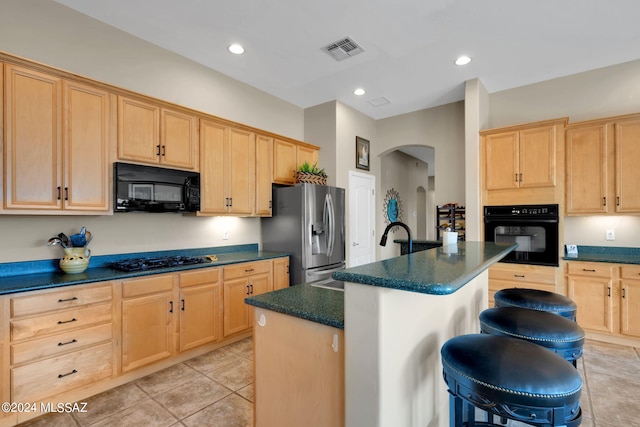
<point x="59" y="188"/>
<point x="67" y="374"/>
<point x="164" y="150"/>
<point x="230" y="201"/>
<point x="248" y="270"/>
<point x="68" y="299"/>
<point x="623" y="293"/>
<point x="519" y="275"/>
<point x="73" y="341"/>
<point x="618" y="201"/>
<point x="604" y="201"/>
<point x="609" y="291"/>
<point x="247" y="293"/>
<point x="516" y="178"/>
<point x="590" y="271"/>
<point x="170" y="306"/>
<point x="182" y="308"/>
<point x="158" y="147"/>
<point x="251" y="287"/>
<point x="66" y="193"/>
<point x="520" y="177"/>
<point x="61" y="322"/>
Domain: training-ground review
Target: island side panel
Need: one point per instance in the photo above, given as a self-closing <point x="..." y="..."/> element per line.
<point x="393" y="369"/>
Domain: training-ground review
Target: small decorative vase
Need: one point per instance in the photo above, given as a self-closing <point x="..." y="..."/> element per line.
<point x="76" y="260"/>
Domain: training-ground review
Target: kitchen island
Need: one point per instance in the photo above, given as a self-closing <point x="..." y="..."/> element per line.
<point x="397" y="313"/>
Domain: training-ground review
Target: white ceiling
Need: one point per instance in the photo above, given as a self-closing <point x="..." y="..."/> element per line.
<point x="409" y="45"/>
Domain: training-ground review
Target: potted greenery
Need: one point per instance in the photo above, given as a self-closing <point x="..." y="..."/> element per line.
<point x="311" y="174"/>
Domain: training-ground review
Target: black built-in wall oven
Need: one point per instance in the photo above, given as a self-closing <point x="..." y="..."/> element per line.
<point x="533" y="227"/>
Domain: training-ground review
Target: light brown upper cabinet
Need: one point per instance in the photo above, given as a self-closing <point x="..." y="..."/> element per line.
<point x="287" y="157"/>
<point x="602" y="160"/>
<point x="227" y="169"/>
<point x="57" y="143"/>
<point x="264" y="166"/>
<point x="150" y="134"/>
<point x="521" y="157"/>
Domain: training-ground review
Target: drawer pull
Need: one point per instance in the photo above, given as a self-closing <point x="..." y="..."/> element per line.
<point x="67" y="374"/>
<point x="61" y="322"/>
<point x="68" y="299"/>
<point x="60" y="344"/>
<point x="170" y="306"/>
<point x="248" y="270"/>
<point x="609" y="291"/>
<point x="624" y="293"/>
<point x="586" y="269"/>
<point x="519" y="275"/>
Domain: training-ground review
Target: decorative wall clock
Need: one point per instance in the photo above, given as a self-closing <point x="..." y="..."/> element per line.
<point x="392" y="209"/>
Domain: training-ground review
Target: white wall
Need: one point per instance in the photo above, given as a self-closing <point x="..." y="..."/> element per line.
<point x="594" y="94"/>
<point x="320" y="129"/>
<point x="47" y="32"/>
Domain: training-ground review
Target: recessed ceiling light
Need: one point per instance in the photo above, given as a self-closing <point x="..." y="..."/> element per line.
<point x="236" y="48"/>
<point x="463" y="60"/>
<point x="359" y="92"/>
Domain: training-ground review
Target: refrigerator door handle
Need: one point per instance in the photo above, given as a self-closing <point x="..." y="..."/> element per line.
<point x="332" y="225"/>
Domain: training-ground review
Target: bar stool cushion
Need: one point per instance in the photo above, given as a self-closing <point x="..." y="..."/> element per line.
<point x="512" y="378"/>
<point x="551" y="331"/>
<point x="536" y="299"/>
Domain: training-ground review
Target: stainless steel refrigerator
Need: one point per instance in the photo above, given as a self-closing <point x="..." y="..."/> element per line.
<point x="307" y="222"/>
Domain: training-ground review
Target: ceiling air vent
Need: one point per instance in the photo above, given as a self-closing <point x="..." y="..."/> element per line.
<point x="343" y="49"/>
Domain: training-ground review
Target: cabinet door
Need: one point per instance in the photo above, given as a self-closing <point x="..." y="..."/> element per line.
<point x="264" y="159"/>
<point x="306" y="154"/>
<point x="138" y="131"/>
<point x="241" y="171"/>
<point x="297" y="357"/>
<point x="627" y="162"/>
<point x="178" y="140"/>
<point x="200" y="321"/>
<point x="280" y="273"/>
<point x="593" y="298"/>
<point x="630" y="310"/>
<point x="147" y="330"/>
<point x="236" y="313"/>
<point x="502" y="159"/>
<point x="537" y="165"/>
<point x="260" y="284"/>
<point x="586" y="175"/>
<point x="33" y="146"/>
<point x="212" y="167"/>
<point x="86" y="140"/>
<point x="284" y="162"/>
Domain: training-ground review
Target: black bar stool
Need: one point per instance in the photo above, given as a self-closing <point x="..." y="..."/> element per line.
<point x="536" y="300"/>
<point x="510" y="378"/>
<point x="556" y="333"/>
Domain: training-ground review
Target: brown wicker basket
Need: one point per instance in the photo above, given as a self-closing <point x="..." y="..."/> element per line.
<point x="310" y="178"/>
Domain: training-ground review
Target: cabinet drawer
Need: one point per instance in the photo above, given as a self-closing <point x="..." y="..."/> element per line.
<point x="60" y="322"/>
<point x="60" y="343"/>
<point x="515" y="277"/>
<point x="596" y="269"/>
<point x="67" y="298"/>
<point x="630" y="272"/>
<point x="147" y="285"/>
<point x="246" y="269"/>
<point x="199" y="277"/>
<point x="62" y="373"/>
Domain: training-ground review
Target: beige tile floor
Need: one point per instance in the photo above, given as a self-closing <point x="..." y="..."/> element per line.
<point x="216" y="390"/>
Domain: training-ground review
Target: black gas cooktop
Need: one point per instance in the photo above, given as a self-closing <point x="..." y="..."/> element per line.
<point x="138" y="264"/>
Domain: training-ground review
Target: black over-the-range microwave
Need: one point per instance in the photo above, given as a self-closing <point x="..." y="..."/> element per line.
<point x="154" y="189"/>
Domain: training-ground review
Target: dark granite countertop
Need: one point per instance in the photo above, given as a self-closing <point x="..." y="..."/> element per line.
<point x="434" y="271"/>
<point x="611" y="254"/>
<point x="22" y="281"/>
<point x="320" y="305"/>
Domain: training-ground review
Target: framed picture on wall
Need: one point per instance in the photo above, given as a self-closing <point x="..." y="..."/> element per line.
<point x="362" y="153"/>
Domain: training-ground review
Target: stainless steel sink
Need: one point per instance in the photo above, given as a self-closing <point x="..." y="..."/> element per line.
<point x="336" y="285"/>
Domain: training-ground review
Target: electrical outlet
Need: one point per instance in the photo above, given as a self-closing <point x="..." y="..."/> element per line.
<point x="611" y="235"/>
<point x="225" y="235"/>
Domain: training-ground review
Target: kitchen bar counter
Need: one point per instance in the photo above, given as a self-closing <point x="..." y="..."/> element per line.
<point x="438" y="271"/>
<point x="610" y="254"/>
<point x="22" y="281"/>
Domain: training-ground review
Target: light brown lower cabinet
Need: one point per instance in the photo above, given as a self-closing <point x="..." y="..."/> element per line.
<point x="240" y="282"/>
<point x="200" y="308"/>
<point x="504" y="275"/>
<point x="299" y="371"/>
<point x="60" y="340"/>
<point x="608" y="298"/>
